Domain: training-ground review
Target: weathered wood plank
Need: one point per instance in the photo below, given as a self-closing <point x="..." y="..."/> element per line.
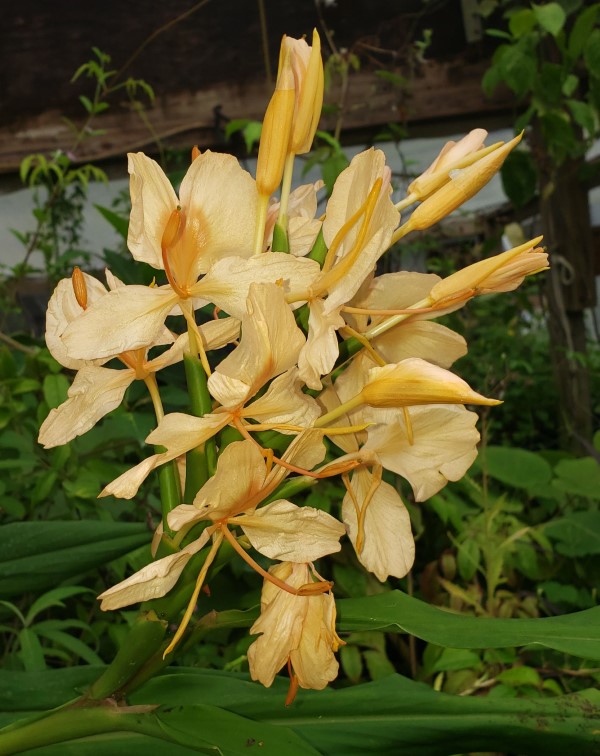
<point x="439" y="91"/>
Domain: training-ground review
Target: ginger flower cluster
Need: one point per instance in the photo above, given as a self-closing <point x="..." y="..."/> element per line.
<point x="301" y="364"/>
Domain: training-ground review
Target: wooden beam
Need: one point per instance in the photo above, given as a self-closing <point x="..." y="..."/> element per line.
<point x="438" y="91"/>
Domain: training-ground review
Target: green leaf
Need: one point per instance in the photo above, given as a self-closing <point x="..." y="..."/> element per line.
<point x="570" y="84"/>
<point x="53" y="598"/>
<point x="517" y="467"/>
<point x="31" y="653"/>
<point x="591" y="53"/>
<point x="55" y="389"/>
<point x="577" y="634"/>
<point x="391" y="716"/>
<point x="38" y="555"/>
<point x="582" y="28"/>
<point x="521" y="22"/>
<point x="452" y="659"/>
<point x="583" y="114"/>
<point x="351" y="661"/>
<point x="580" y="477"/>
<point x="87" y="103"/>
<point x="120" y="224"/>
<point x="551" y="17"/>
<point x="518" y="69"/>
<point x="72" y="644"/>
<point x="519" y="178"/>
<point x="467" y="559"/>
<point x="518" y="676"/>
<point x="577" y="534"/>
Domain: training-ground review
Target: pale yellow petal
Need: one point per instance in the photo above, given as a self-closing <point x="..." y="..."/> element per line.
<point x="387" y="547"/>
<point x="280" y="622"/>
<point x="321" y="350"/>
<point x="124" y="319"/>
<point x="95" y="392"/>
<point x="153" y="199"/>
<point x="219" y="333"/>
<point x="227" y="282"/>
<point x="313" y="661"/>
<point x="63" y="309"/>
<point x="284" y="403"/>
<point x="152" y="581"/>
<point x="284" y="531"/>
<point x="270" y="344"/>
<point x="421" y="338"/>
<point x="240" y="475"/>
<point x="178" y="433"/>
<point x="444" y="446"/>
<point x="219" y="199"/>
<point x="413" y="382"/>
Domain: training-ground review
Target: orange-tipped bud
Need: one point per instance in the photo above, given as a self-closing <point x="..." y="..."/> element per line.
<point x="460" y="188"/>
<point x="276" y="128"/>
<point x="195" y="152"/>
<point x="171" y="229"/>
<point x="79" y="287"/>
<point x="414" y="381"/>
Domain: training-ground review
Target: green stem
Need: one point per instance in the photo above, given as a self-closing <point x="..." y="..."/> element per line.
<point x="78" y="722"/>
<point x="168" y="475"/>
<point x="144" y="638"/>
<point x="202" y="461"/>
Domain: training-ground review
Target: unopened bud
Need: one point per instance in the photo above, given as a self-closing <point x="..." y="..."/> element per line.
<point x="79" y="287"/>
<point x="459" y="189"/>
<point x="309" y="93"/>
<point x="503" y="272"/>
<point x="276" y="128"/>
<point x="414" y="381"/>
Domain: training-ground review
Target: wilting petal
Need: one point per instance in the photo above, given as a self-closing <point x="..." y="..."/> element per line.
<point x="228" y="281"/>
<point x="281" y="530"/>
<point x="284" y="403"/>
<point x="240" y="475"/>
<point x="444" y="446"/>
<point x="219" y="201"/>
<point x="153" y="199"/>
<point x="124" y="319"/>
<point x="280" y="622"/>
<point x="387" y="546"/>
<point x="313" y="661"/>
<point x="318" y="356"/>
<point x="270" y="344"/>
<point x="298" y="628"/>
<point x="152" y="581"/>
<point x="95" y="392"/>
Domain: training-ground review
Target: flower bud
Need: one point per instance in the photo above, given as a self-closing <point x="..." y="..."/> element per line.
<point x="309" y="80"/>
<point x="459" y="189"/>
<point x="415" y="381"/>
<point x="276" y="128"/>
<point x="503" y="272"/>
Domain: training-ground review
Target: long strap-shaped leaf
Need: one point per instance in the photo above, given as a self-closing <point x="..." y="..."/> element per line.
<point x="391" y="716"/>
<point x="577" y="634"/>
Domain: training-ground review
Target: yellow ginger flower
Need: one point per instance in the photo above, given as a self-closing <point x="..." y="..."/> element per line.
<point x="295" y="630"/>
<point x="98" y="390"/>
